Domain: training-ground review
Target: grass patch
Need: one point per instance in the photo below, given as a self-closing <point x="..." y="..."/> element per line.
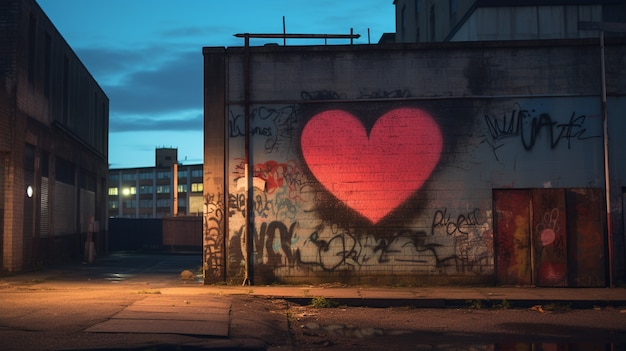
<point x="322" y="302"/>
<point x="481" y="304"/>
<point x="475" y="304"/>
<point x="504" y="305"/>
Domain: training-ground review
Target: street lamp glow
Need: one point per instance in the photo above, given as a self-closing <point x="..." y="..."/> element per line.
<point x="29" y="191"/>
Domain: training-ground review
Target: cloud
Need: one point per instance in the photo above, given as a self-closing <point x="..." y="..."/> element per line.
<point x="193" y="122"/>
<point x="151" y="82"/>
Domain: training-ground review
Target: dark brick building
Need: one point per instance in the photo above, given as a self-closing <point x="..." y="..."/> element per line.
<point x="53" y="143"/>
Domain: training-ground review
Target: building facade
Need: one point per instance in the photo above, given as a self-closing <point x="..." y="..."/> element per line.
<point x="415" y="164"/>
<point x="149" y="192"/>
<point x="54" y="121"/>
<point x="482" y="20"/>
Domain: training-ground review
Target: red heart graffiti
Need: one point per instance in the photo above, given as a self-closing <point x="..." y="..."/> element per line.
<point x="372" y="175"/>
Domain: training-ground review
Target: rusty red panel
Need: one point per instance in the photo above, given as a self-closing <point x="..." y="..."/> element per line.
<point x="585" y="222"/>
<point x="182" y="231"/>
<point x="549" y="235"/>
<point x="513" y="261"/>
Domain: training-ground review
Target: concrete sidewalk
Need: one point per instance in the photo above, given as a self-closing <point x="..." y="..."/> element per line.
<point x="163" y="270"/>
<point x="153" y="300"/>
<point x="438" y="297"/>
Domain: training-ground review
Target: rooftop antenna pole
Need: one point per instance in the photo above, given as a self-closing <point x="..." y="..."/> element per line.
<point x="351" y="36"/>
<point x="368" y="36"/>
<point x="284" y="33"/>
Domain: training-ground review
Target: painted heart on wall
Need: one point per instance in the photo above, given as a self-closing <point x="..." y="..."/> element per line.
<point x="372" y="174"/>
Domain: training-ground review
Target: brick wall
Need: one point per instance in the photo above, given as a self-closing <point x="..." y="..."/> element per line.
<point x="376" y="164"/>
<point x="37" y="112"/>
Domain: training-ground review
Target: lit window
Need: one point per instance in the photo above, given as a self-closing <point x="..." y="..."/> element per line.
<point x="129" y="191"/>
<point x="182" y="188"/>
<point x="196" y="187"/>
<point x="113" y="191"/>
<point x="163" y="189"/>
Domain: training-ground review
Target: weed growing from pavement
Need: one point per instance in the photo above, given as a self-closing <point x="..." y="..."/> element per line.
<point x="504" y="305"/>
<point x="480" y="304"/>
<point x="475" y="304"/>
<point x="322" y="302"/>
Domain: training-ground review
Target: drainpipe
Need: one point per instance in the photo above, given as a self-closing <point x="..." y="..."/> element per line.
<point x="175" y="190"/>
<point x="607" y="179"/>
<point x="248" y="278"/>
<point x="603" y="27"/>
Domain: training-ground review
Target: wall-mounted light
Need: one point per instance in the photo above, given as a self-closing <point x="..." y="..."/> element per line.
<point x="29" y="191"/>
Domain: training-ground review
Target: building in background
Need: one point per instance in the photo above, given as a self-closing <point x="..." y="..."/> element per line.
<point x="149" y="192"/>
<point x="54" y="127"/>
<point x="482" y="20"/>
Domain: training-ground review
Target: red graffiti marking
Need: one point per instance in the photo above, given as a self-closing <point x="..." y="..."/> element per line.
<point x="277" y="175"/>
<point x="372" y="175"/>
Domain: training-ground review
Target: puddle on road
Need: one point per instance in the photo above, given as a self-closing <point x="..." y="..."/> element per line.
<point x="483" y="345"/>
<point x="116" y="277"/>
<point x="352" y="332"/>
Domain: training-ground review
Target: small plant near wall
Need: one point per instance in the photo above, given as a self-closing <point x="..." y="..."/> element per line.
<point x="475" y="304"/>
<point x="504" y="305"/>
<point x="322" y="302"/>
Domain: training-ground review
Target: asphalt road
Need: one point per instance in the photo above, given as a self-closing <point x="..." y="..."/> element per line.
<point x="70" y="308"/>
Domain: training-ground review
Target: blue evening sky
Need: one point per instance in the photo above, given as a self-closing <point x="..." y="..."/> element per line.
<point x="147" y="56"/>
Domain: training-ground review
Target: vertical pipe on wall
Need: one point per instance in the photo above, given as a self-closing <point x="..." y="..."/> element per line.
<point x="248" y="171"/>
<point x="607" y="179"/>
<point x="175" y="188"/>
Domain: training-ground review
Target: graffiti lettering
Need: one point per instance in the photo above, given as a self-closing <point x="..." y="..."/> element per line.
<point x="276" y="124"/>
<point x="213" y="237"/>
<point x="322" y="95"/>
<point x="276" y="175"/>
<point x="236" y="204"/>
<point x="459" y="225"/>
<point x="277" y="244"/>
<point x="267" y="240"/>
<point x="384" y="94"/>
<point x="527" y="126"/>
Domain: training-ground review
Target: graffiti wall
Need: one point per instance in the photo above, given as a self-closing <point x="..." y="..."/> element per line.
<point x="372" y="188"/>
<point x="359" y="183"/>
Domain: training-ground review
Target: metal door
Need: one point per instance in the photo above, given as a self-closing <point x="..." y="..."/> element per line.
<point x="512" y="215"/>
<point x="550" y="237"/>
